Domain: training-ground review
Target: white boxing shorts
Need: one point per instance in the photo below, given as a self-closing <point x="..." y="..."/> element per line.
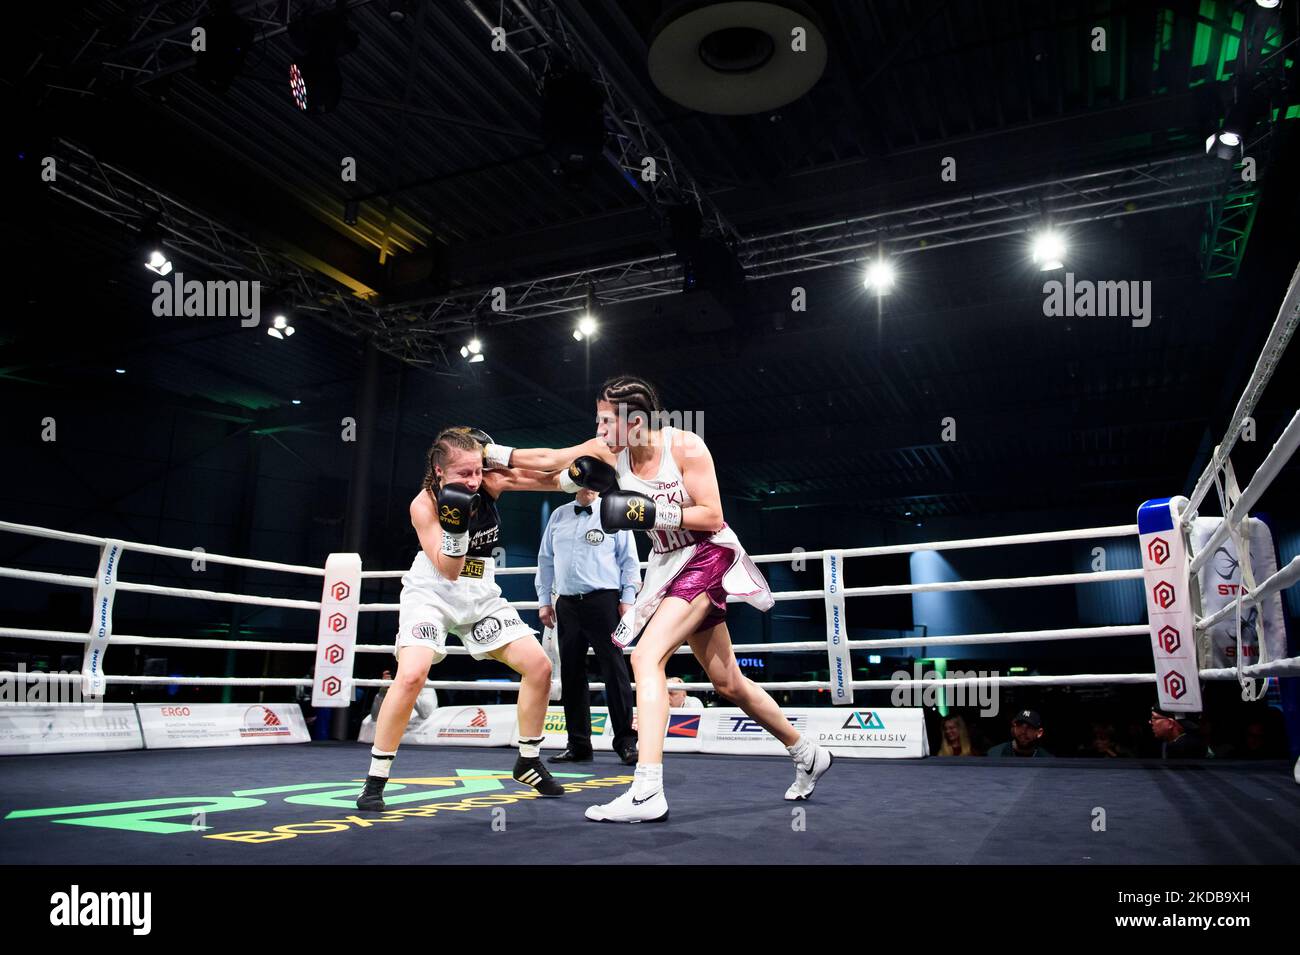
<point x="471" y="607"/>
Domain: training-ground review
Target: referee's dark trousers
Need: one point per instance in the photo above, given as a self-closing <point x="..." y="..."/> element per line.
<point x="582" y="621"/>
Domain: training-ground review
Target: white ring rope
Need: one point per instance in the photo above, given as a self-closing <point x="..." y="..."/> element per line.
<point x="1282" y="579"/>
<point x="1287" y="667"/>
<point x="1284" y="326"/>
<point x="1264" y="475"/>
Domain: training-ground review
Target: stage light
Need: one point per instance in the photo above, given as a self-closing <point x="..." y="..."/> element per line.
<point x="158" y="262"/>
<point x="1049" y="251"/>
<point x="880" y="276"/>
<point x="315" y="81"/>
<point x="280" y="327"/>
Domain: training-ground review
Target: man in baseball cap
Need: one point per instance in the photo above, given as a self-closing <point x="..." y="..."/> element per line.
<point x="1179" y="734"/>
<point x="1026" y="731"/>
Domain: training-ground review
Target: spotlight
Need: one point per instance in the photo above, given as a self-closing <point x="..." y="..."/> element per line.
<point x="158" y="262"/>
<point x="1248" y="108"/>
<point x="279" y="327"/>
<point x="587" y="323"/>
<point x="315" y="81"/>
<point x="1268" y="4"/>
<point x="295" y="401"/>
<point x="1049" y="251"/>
<point x="880" y="276"/>
<point x="120" y="371"/>
<point x="151" y="246"/>
<point x="472" y="351"/>
<point x="1225" y="145"/>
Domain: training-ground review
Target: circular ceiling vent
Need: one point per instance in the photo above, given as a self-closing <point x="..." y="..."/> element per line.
<point x="737" y="58"/>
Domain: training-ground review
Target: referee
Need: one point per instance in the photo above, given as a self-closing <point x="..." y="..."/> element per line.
<point x="596" y="577"/>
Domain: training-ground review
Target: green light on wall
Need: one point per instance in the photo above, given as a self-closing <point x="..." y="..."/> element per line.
<point x="940" y="667"/>
<point x="1204" y="34"/>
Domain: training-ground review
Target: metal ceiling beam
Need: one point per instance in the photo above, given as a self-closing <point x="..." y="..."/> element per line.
<point x="117" y="195"/>
<point x="1111" y="193"/>
<point x="549" y="38"/>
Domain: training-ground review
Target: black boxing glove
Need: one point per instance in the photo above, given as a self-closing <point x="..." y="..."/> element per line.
<point x="591" y="473"/>
<point x="633" y="511"/>
<point x="457" y="506"/>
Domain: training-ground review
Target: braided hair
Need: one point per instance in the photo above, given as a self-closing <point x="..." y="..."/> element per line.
<point x="635" y="395"/>
<point x="448" y="440"/>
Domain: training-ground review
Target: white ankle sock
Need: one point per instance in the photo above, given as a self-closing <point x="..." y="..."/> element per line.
<point x="530" y="748"/>
<point x="649" y="778"/>
<point x="381" y="762"/>
<point x="801" y="752"/>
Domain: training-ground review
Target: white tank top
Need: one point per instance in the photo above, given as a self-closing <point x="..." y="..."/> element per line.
<point x="666" y="486"/>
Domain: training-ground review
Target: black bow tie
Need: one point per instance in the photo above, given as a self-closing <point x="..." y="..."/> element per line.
<point x="579" y="509"/>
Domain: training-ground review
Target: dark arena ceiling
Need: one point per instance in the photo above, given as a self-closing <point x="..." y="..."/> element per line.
<point x="943" y="137"/>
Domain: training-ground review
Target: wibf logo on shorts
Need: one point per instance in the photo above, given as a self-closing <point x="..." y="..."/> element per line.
<point x="427" y="631"/>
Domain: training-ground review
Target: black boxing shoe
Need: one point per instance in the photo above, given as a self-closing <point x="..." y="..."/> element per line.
<point x="572" y="755"/>
<point x="530" y="771"/>
<point x="372" y="796"/>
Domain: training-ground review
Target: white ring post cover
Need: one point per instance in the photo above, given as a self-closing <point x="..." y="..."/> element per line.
<point x="1166" y="578"/>
<point x="837" y="631"/>
<point x="336" y="637"/>
<point x="101" y="619"/>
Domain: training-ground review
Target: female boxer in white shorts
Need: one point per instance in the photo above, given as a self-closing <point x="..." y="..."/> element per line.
<point x="662" y="481"/>
<point x="450" y="589"/>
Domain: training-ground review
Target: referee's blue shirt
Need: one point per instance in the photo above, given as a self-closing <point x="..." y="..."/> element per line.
<point x="576" y="556"/>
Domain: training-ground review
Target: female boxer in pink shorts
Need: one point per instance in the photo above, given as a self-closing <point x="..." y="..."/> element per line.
<point x="661" y="480"/>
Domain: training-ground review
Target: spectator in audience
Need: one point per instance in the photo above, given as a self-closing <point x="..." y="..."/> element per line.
<point x="1262" y="737"/>
<point x="1026" y="731"/>
<point x="1179" y="735"/>
<point x="956" y="738"/>
<point x="679" y="698"/>
<point x="1103" y="742"/>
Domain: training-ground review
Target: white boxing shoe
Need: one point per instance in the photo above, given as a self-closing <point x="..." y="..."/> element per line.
<point x="627" y="808"/>
<point x="806" y="779"/>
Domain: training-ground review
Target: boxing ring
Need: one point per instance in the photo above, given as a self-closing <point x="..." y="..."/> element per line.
<point x="294" y="804"/>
